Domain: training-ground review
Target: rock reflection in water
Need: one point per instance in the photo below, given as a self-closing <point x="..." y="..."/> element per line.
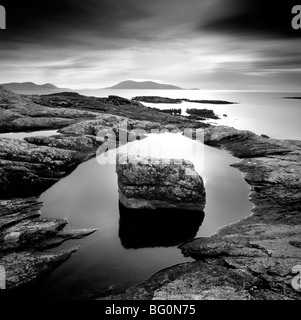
<point x="157" y="228"/>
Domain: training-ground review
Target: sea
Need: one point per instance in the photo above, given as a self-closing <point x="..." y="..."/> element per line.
<point x="127" y="248"/>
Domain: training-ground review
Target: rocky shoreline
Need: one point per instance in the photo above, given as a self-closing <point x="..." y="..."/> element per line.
<point x="251" y="259"/>
<point x="25" y="237"/>
<point x="29" y="167"/>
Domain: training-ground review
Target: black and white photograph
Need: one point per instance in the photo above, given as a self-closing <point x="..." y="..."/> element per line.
<point x="150" y="150"/>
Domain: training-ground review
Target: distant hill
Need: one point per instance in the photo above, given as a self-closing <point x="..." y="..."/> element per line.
<point x="14" y="86"/>
<point x="145" y="85"/>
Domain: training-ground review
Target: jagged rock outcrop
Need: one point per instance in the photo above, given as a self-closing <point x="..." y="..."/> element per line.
<point x="22" y="113"/>
<point x="22" y="268"/>
<point x="24" y="234"/>
<point x="150" y="183"/>
<point x="245" y="144"/>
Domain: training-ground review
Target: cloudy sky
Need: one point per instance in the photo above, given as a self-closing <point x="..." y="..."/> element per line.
<point x="209" y="44"/>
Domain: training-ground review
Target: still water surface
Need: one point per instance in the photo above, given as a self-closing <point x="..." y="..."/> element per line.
<point x="127" y="249"/>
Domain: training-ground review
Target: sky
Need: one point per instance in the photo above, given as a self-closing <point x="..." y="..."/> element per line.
<point x="206" y="44"/>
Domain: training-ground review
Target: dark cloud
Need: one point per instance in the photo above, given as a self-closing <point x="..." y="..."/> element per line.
<point x="257" y="18"/>
<point x="84" y="42"/>
<point x="68" y="22"/>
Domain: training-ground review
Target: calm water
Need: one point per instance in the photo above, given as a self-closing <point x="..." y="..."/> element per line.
<point x="22" y="135"/>
<point x="261" y="112"/>
<point x="127" y="249"/>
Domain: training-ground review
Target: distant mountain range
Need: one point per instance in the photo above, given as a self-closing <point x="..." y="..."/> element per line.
<point x="28" y="86"/>
<point x="145" y="85"/>
<point x="124" y="85"/>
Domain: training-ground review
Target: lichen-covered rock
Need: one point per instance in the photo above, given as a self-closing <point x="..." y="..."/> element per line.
<point x="243" y="143"/>
<point x="82" y="143"/>
<point x="159" y="183"/>
<point x="22" y="268"/>
<point x="28" y="232"/>
<point x="92" y="127"/>
<point x="27" y="169"/>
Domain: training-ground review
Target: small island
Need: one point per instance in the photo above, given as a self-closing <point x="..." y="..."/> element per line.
<point x="296" y="98"/>
<point x="156" y="99"/>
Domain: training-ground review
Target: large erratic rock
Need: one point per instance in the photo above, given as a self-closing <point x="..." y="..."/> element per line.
<point x="150" y="183"/>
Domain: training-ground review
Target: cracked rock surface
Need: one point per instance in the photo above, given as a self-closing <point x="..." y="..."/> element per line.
<point x="150" y="183"/>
